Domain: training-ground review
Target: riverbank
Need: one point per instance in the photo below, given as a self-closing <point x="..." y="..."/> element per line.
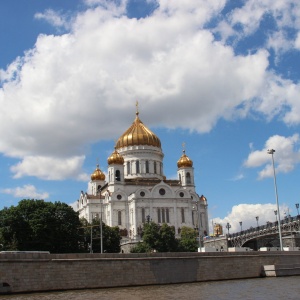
<point x="33" y="272"/>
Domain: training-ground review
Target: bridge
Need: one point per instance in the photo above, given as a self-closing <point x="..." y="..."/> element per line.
<point x="290" y="226"/>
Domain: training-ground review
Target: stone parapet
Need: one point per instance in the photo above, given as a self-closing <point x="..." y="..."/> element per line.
<point x="32" y="272"/>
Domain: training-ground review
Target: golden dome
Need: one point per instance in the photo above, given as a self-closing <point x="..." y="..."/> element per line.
<point x="203" y="198"/>
<point x="98" y="174"/>
<point x="184" y="161"/>
<point x="138" y="134"/>
<point x="115" y="158"/>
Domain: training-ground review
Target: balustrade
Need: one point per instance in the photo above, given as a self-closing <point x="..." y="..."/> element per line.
<point x="288" y="225"/>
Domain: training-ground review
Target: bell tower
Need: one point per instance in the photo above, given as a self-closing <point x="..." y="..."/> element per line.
<point x="185" y="170"/>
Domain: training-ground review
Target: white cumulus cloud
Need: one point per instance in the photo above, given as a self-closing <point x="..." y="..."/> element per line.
<point x="49" y="168"/>
<point x="27" y="191"/>
<point x="74" y="205"/>
<point x="286" y="156"/>
<point x="54" y="18"/>
<point x="73" y="89"/>
<point x="247" y="213"/>
<point x="250" y="15"/>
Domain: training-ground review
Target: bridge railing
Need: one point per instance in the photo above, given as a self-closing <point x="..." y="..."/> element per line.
<point x="269" y="225"/>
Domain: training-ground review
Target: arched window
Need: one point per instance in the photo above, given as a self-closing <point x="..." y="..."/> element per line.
<point x="119" y="217"/>
<point x="137" y="167"/>
<point x="147" y="166"/>
<point x="179" y="177"/>
<point x="188" y="178"/>
<point x="128" y="167"/>
<point x="155" y="167"/>
<point x="118" y="175"/>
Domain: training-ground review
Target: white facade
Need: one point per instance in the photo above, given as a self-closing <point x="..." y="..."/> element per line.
<point x="136" y="190"/>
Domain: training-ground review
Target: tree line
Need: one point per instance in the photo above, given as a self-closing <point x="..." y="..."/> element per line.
<point x="36" y="225"/>
<point x="156" y="238"/>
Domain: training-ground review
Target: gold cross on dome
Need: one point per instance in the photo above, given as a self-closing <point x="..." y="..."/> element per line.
<point x="137" y="107"/>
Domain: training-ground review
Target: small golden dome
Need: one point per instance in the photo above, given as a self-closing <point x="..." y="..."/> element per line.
<point x="98" y="174"/>
<point x="115" y="158"/>
<point x="184" y="161"/>
<point x="138" y="134"/>
<point x="202" y="198"/>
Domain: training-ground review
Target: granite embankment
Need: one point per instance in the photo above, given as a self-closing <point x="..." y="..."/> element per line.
<point x="32" y="272"/>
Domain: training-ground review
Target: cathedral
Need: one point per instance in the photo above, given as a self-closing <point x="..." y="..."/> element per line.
<point x="136" y="190"/>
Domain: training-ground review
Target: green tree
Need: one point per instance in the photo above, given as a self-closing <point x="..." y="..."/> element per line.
<point x="140" y="248"/>
<point x="157" y="238"/>
<point x="167" y="241"/>
<point x="151" y="236"/>
<point x="188" y="240"/>
<point x="110" y="236"/>
<point x="36" y="225"/>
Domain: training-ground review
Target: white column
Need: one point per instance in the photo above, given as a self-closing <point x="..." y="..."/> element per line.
<point x="135" y="218"/>
<point x="127" y="216"/>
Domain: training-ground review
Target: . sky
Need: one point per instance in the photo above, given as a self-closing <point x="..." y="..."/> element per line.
<point x="221" y="76"/>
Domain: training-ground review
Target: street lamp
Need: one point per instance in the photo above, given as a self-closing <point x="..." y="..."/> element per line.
<point x="271" y="151"/>
<point x="257" y="218"/>
<point x="91" y="243"/>
<point x="275" y="212"/>
<point x="228" y="226"/>
<point x="199" y="216"/>
<point x="148" y="219"/>
<point x="101" y="233"/>
<point x="297" y="206"/>
<point x="241" y="224"/>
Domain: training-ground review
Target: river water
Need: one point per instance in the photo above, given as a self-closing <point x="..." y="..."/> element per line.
<point x="258" y="288"/>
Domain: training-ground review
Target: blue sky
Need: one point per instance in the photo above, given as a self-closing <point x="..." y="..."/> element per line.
<point x="221" y="76"/>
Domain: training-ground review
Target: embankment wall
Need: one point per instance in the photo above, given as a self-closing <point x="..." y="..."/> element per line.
<point x="32" y="272"/>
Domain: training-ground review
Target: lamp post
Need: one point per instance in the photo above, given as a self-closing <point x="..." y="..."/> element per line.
<point x="271" y="151"/>
<point x="292" y="237"/>
<point x="199" y="216"/>
<point x="228" y="226"/>
<point x="275" y="212"/>
<point x="286" y="217"/>
<point x="213" y="230"/>
<point x="297" y="206"/>
<point x="241" y="224"/>
<point x="257" y="218"/>
<point x="91" y="244"/>
<point x="101" y="233"/>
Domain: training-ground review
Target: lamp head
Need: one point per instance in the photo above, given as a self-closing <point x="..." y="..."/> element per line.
<point x="270" y="151"/>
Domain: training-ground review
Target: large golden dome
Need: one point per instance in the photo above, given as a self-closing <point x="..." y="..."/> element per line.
<point x="184" y="161"/>
<point x="115" y="158"/>
<point x="98" y="174"/>
<point x="138" y="134"/>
